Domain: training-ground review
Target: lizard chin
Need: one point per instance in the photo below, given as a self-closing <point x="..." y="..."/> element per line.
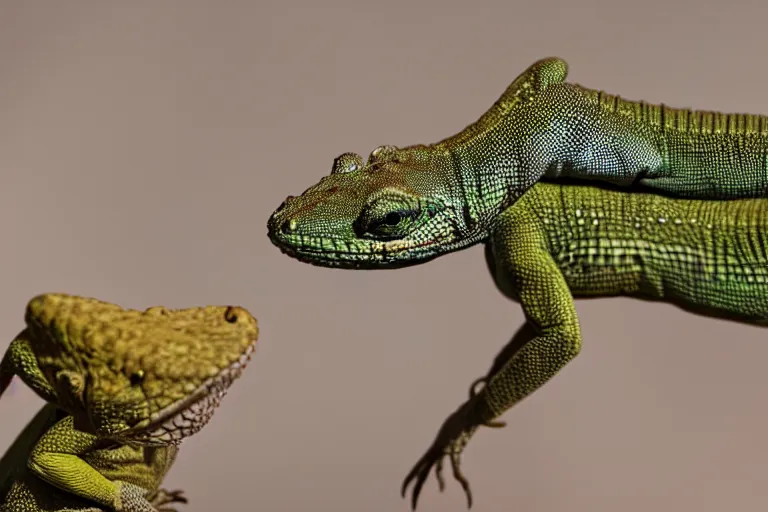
<point x="171" y="425"/>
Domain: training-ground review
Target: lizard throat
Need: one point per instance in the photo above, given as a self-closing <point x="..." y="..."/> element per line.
<point x="186" y="417"/>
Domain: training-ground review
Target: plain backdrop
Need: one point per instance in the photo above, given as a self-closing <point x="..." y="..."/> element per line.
<point x="144" y="144"/>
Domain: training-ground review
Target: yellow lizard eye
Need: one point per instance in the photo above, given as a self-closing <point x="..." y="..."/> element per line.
<point x="137" y="377"/>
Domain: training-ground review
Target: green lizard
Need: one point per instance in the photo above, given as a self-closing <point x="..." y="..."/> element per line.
<point x="131" y="386"/>
<point x="413" y="203"/>
<point x="405" y="206"/>
<point x="22" y="491"/>
<point x="560" y="241"/>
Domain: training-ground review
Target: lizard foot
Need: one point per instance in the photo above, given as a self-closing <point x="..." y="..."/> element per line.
<point x="133" y="498"/>
<point x="162" y="497"/>
<point x="450" y="441"/>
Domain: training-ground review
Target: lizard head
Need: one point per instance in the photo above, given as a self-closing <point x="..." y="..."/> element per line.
<point x="407" y="205"/>
<point x="401" y="207"/>
<point x="147" y="377"/>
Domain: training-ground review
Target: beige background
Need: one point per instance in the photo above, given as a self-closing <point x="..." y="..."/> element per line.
<point x="144" y="144"/>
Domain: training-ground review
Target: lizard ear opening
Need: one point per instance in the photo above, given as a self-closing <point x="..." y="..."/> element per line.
<point x="72" y="383"/>
<point x="72" y="388"/>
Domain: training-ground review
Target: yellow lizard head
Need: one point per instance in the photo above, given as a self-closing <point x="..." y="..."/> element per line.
<point x="147" y="377"/>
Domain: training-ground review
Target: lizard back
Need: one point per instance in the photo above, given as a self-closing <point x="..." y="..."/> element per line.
<point x="682" y="120"/>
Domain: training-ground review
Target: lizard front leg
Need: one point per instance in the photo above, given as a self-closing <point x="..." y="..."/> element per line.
<point x="57" y="459"/>
<point x="20" y="359"/>
<point x="524" y="269"/>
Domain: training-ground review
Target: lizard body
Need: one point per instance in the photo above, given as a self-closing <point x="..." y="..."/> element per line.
<point x="564" y="241"/>
<point x="444" y="196"/>
<point x="131" y="385"/>
<point x="674" y="211"/>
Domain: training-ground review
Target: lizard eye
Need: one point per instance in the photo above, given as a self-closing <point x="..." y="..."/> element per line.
<point x="393" y="218"/>
<point x="392" y="225"/>
<point x="393" y="215"/>
<point x="137" y="378"/>
<point x="347" y="162"/>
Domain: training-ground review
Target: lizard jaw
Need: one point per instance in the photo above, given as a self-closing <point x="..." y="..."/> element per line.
<point x="371" y="256"/>
<point x="171" y="425"/>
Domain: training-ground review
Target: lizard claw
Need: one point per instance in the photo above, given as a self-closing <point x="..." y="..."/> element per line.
<point x="454" y="454"/>
<point x="450" y="442"/>
<point x="162" y="497"/>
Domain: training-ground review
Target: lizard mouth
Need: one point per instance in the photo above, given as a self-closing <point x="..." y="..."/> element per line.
<point x="186" y="417"/>
<point x="360" y="254"/>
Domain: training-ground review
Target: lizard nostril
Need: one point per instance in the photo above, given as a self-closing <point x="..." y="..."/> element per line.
<point x="288" y="226"/>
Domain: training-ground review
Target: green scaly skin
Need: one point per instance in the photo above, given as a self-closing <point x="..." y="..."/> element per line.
<point x="558" y="242"/>
<point x="405" y="206"/>
<point x="141" y="468"/>
<point x="130" y="386"/>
